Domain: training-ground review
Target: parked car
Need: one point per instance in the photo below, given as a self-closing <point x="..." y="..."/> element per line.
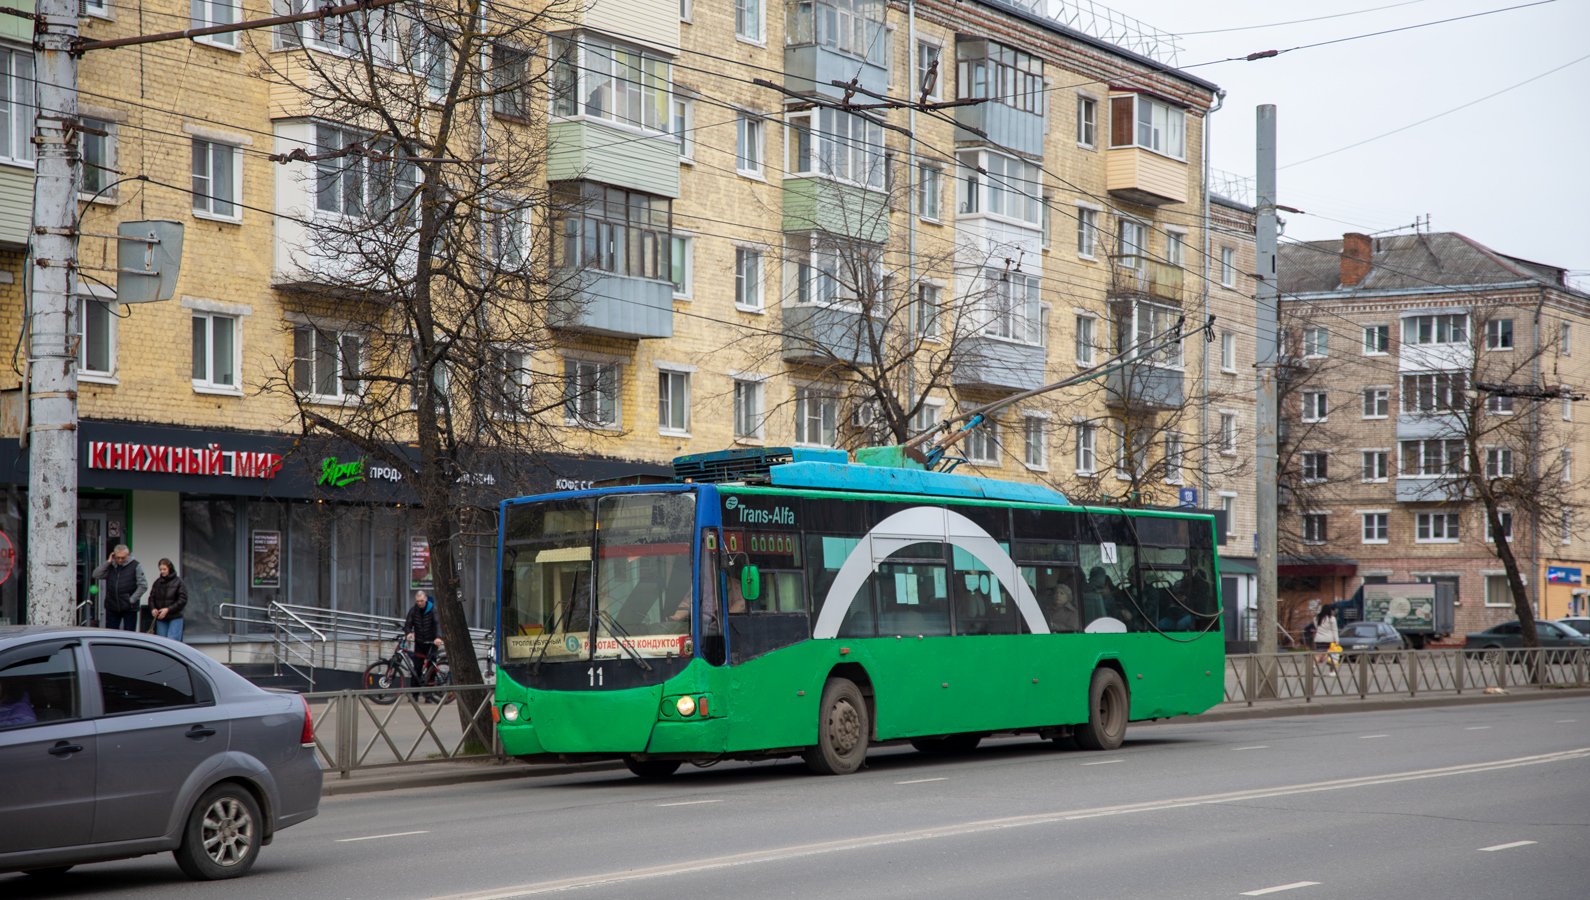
<point x="115" y="744"/>
<point x="1580" y="624"/>
<point x="1360" y="636"/>
<point x="1510" y="634"/>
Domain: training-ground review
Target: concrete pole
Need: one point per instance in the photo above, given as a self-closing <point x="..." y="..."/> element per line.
<point x="52" y="348"/>
<point x="1267" y="299"/>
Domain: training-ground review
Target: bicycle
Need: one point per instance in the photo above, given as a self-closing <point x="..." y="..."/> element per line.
<point x="399" y="671"/>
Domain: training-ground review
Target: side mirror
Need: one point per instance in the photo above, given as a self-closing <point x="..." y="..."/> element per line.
<point x="750" y="583"/>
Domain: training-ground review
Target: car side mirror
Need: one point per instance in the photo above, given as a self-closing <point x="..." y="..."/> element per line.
<point x="750" y="582"/>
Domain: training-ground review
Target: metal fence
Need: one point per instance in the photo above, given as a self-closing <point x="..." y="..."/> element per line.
<point x="401" y="727"/>
<point x="1309" y="676"/>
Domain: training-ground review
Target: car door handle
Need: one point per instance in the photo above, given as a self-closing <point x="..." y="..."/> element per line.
<point x="63" y="749"/>
<point x="199" y="732"/>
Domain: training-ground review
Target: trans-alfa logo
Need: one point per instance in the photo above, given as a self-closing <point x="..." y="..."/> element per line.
<point x="732" y="503"/>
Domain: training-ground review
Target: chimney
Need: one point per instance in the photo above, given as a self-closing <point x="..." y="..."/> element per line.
<point x="1355" y="258"/>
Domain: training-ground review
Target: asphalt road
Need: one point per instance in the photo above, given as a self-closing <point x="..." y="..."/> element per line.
<point x="1446" y="803"/>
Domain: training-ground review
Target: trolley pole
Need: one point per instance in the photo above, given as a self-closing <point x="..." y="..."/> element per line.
<point x="52" y="340"/>
<point x="1267" y="300"/>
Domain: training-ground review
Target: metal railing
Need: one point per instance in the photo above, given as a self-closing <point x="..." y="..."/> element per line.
<point x="1302" y="676"/>
<point x="402" y="726"/>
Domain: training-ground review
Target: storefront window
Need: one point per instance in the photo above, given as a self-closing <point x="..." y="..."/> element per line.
<point x="209" y="561"/>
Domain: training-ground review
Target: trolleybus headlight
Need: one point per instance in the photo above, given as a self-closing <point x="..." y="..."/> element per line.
<point x="686" y="706"/>
<point x="510" y="711"/>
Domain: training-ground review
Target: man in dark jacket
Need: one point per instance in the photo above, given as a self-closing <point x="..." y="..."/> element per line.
<point x="125" y="585"/>
<point x="422" y="629"/>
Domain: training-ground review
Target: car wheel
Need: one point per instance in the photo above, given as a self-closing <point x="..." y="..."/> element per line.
<point x="222" y="836"/>
<point x="1107" y="712"/>
<point x="842" y="730"/>
<point x="48" y="872"/>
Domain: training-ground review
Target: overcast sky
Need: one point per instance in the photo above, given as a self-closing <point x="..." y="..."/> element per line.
<point x="1512" y="172"/>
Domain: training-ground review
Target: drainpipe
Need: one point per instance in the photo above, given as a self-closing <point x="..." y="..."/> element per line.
<point x="910" y="182"/>
<point x="1203" y="403"/>
<point x="1534" y="466"/>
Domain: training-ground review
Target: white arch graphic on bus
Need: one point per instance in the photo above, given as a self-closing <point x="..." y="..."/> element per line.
<point x="923" y="524"/>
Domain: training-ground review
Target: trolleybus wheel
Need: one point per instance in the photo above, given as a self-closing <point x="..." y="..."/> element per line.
<point x="1107" y="711"/>
<point x="950" y="744"/>
<point x="842" y="730"/>
<point x="652" y="769"/>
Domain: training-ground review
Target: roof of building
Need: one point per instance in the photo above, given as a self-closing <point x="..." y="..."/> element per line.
<point x="1410" y="262"/>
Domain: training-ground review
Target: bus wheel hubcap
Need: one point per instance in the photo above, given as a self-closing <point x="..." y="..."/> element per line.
<point x="844" y="727"/>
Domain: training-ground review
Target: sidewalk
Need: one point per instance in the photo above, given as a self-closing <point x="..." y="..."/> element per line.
<point x="459" y="773"/>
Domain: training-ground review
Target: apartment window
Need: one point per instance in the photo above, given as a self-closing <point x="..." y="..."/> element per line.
<point x="1228" y="432"/>
<point x="1377" y="403"/>
<point x="1499" y="334"/>
<point x="1315" y="406"/>
<point x="1567" y="526"/>
<point x="1443" y="329"/>
<point x="214" y="351"/>
<point x="1154" y="324"/>
<point x="1432" y="457"/>
<point x="1434" y="392"/>
<point x="1565" y="339"/>
<point x="682" y="125"/>
<point x="1507" y="526"/>
<point x="1436" y="528"/>
<point x="439" y="387"/>
<point x="344" y="35"/>
<point x="1012" y="187"/>
<point x="357" y="185"/>
<point x="1135" y="458"/>
<point x="1087" y="232"/>
<point x="510" y="237"/>
<point x="1498" y="462"/>
<point x="1316" y="342"/>
<point x="850" y="26"/>
<point x="1315" y="465"/>
<point x="747" y="278"/>
<point x="748" y="19"/>
<point x="614" y="230"/>
<point x="1141" y="121"/>
<point x="326" y="363"/>
<point x="1316" y="528"/>
<point x="1085" y="340"/>
<point x="748" y="146"/>
<point x="1377" y="528"/>
<point x="673" y="402"/>
<point x="989" y="70"/>
<point x="217" y="179"/>
<point x="685" y="7"/>
<point x="925" y="317"/>
<point x="590" y="393"/>
<point x="929" y="72"/>
<point x="747" y="409"/>
<point x="1173" y="459"/>
<point x="816" y="417"/>
<point x="929" y="188"/>
<point x="1087" y="449"/>
<point x="1567" y="406"/>
<point x="610" y="81"/>
<point x="681" y="264"/>
<point x="982" y="444"/>
<point x="927" y="416"/>
<point x="1088" y="122"/>
<point x="1228" y="351"/>
<point x="1046" y="214"/>
<point x="1567" y="465"/>
<point x="434" y="61"/>
<point x="1497" y="591"/>
<point x="1013" y="306"/>
<point x="207" y="13"/>
<point x="1228" y="267"/>
<point x="512" y="382"/>
<point x="1228" y="504"/>
<point x="1376" y="465"/>
<point x="1133" y="248"/>
<point x="1377" y="339"/>
<point x="99" y="158"/>
<point x="93" y="7"/>
<point x="1499" y="404"/>
<point x="1035" y="442"/>
<point x="96" y="337"/>
<point x="839" y="145"/>
<point x="1176" y="248"/>
<point x="510" y="77"/>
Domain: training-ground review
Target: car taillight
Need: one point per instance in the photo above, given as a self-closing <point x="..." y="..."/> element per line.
<point x="307" y="738"/>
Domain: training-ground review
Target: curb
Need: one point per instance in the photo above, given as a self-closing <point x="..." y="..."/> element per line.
<point x="459" y="773"/>
<point x="1353" y="706"/>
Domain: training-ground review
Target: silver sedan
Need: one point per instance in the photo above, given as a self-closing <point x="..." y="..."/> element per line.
<point x="115" y="744"/>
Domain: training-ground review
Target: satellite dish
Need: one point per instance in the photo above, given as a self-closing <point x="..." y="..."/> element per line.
<point x="148" y="256"/>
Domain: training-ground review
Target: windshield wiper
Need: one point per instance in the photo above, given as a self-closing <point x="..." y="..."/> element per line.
<point x="613" y="628"/>
<point x="535" y="667"/>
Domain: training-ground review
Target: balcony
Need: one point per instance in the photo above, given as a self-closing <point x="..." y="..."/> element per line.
<point x="1144" y="177"/>
<point x="585" y="149"/>
<point x="825" y="335"/>
<point x="1145" y="277"/>
<point x="620" y="306"/>
<point x="834" y="209"/>
<point x="818" y="51"/>
<point x="989" y="363"/>
<point x="1005" y="126"/>
<point x="1144" y="387"/>
<point x="1429" y="490"/>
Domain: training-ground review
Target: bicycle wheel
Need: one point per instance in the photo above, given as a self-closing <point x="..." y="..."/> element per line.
<point x="383" y="675"/>
<point x="440" y="676"/>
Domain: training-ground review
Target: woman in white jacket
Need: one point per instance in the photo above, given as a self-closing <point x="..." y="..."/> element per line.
<point x="1325" y="633"/>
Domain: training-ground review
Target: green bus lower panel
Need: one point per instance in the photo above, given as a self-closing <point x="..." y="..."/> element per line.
<point x="594" y="721"/>
<point x="703" y="736"/>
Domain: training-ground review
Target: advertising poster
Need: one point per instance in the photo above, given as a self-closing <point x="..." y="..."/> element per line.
<point x="266" y="554"/>
<point x="419" y="564"/>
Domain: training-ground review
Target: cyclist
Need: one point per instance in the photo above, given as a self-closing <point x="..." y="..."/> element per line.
<point x="423" y="632"/>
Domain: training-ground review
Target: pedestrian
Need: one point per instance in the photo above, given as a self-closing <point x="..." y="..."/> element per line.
<point x="1325" y="633"/>
<point x="168" y="596"/>
<point x="125" y="585"/>
<point x="422" y="629"/>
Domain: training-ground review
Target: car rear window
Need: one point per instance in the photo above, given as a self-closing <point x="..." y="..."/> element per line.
<point x="136" y="679"/>
<point x="1362" y="629"/>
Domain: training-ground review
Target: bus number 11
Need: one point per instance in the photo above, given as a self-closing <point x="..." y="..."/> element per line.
<point x="596" y="675"/>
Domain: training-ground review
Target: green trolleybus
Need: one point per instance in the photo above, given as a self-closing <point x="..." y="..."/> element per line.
<point x="777" y="602"/>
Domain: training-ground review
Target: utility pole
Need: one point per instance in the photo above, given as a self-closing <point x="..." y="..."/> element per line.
<point x="1267" y="299"/>
<point x="52" y="347"/>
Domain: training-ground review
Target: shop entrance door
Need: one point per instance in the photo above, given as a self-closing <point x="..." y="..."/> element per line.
<point x="91" y="552"/>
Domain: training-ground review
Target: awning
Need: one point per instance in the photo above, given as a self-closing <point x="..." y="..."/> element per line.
<point x="1327" y="570"/>
<point x="1236" y="567"/>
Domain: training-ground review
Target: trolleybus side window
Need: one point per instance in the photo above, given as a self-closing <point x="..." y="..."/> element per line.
<point x="912" y="588"/>
<point x="825" y="553"/>
<point x="983" y="604"/>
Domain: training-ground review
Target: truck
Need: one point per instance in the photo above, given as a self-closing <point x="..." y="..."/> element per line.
<point x="1421" y="612"/>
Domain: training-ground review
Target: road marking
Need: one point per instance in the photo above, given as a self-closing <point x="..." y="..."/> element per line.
<point x="1506" y="846"/>
<point x="691" y="802"/>
<point x="920" y="780"/>
<point x="1477" y="728"/>
<point x="1256" y="747"/>
<point x="1365" y="737"/>
<point x="776" y="854"/>
<point x="1103" y="762"/>
<point x="379" y="836"/>
<point x="1280" y="887"/>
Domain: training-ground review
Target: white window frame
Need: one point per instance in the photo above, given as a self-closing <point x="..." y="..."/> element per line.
<point x="1087" y="232"/>
<point x="1567" y="525"/>
<point x="207" y="383"/>
<point x="1175" y="459"/>
<point x="1228" y="352"/>
<point x="1176" y="246"/>
<point x="1035" y="435"/>
<point x="106" y="164"/>
<point x="1498" y="405"/>
<point x="511" y="233"/>
<point x="1228" y="505"/>
<point x="1438" y="323"/>
<point x="1086" y="461"/>
<point x="1163" y="130"/>
<point x="1376" y="397"/>
<point x="1320" y="517"/>
<point x="833" y="155"/>
<point x="515" y="380"/>
<point x="1567" y="406"/>
<point x="687" y="9"/>
<point x="1004" y="181"/>
<point x="1498" y="337"/>
<point x="675" y="375"/>
<point x="1087" y="103"/>
<point x="918" y="67"/>
<point x="682" y="125"/>
<point x="929" y="193"/>
<point x="745" y="29"/>
<point x="1499" y="462"/>
<point x="1130" y="235"/>
<point x="339" y="338"/>
<point x="1228" y="267"/>
<point x="1086" y="349"/>
<point x="1314" y="402"/>
<point x="750" y="388"/>
<point x="1425" y="523"/>
<point x="1381" y="526"/>
<point x="1448" y="392"/>
<point x="99" y="9"/>
<point x="816" y="406"/>
<point x="1507" y="589"/>
<point x="598" y="369"/>
<point x="208" y="198"/>
<point x="985" y="438"/>
<point x="1316" y="342"/>
<point x="685" y="265"/>
<point x="750" y="146"/>
<point x="1566" y="454"/>
<point x="1314" y="466"/>
<point x="1565" y="339"/>
<point x="1228" y="432"/>
<point x="926" y="311"/>
<point x="206" y="13"/>
<point x="750" y="277"/>
<point x="79" y="326"/>
<point x="927" y="415"/>
<point x="16" y="70"/>
<point x="1507" y="518"/>
<point x="1419" y="470"/>
<point x="1376" y="461"/>
<point x="1377" y="335"/>
<point x="1169" y="357"/>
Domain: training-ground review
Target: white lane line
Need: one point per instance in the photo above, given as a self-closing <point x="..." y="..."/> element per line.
<point x="1103" y="762"/>
<point x="1477" y="728"/>
<point x="1506" y="846"/>
<point x="1365" y="737"/>
<point x="1256" y="747"/>
<point x="920" y="780"/>
<point x="691" y="802"/>
<point x="840" y="845"/>
<point x="1280" y="887"/>
<point x="374" y="837"/>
